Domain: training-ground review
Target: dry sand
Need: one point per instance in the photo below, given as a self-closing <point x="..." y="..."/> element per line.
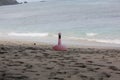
<point x="23" y="61"/>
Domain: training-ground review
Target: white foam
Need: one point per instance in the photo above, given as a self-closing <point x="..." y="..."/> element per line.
<point x="112" y="41"/>
<point x="115" y="41"/>
<point x="28" y="34"/>
<point x="91" y="34"/>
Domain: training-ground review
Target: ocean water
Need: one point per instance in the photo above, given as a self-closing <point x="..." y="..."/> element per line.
<point x="77" y="20"/>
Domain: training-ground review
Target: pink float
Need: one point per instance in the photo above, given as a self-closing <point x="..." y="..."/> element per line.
<point x="59" y="46"/>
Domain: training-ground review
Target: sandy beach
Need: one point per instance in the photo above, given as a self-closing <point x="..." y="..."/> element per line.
<point x="33" y="61"/>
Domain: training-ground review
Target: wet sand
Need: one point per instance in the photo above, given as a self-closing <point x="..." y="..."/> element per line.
<point x="23" y="61"/>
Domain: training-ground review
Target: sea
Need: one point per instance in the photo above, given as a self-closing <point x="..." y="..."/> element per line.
<point x="79" y="21"/>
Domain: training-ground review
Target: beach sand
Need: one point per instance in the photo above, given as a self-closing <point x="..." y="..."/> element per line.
<point x="33" y="61"/>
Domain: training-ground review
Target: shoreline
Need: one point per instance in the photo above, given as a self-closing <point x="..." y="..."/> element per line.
<point x="66" y="42"/>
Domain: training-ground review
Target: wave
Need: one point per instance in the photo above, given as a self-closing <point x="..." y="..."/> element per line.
<point x="112" y="41"/>
<point x="115" y="41"/>
<point x="91" y="34"/>
<point x="28" y="34"/>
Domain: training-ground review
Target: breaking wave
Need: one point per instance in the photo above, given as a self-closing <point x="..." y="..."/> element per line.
<point x="28" y="34"/>
<point x="112" y="41"/>
<point x="91" y="34"/>
<point x="54" y="36"/>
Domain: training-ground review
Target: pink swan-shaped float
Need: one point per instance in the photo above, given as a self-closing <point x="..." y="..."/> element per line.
<point x="59" y="46"/>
